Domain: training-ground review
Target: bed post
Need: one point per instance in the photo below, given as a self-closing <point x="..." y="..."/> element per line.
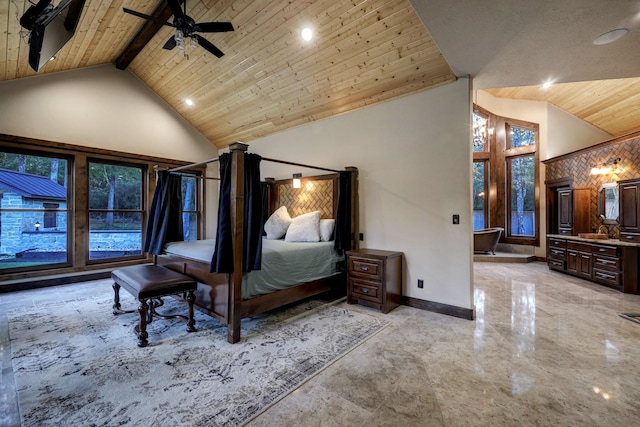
<point x="237" y="150"/>
<point x="355" y="214"/>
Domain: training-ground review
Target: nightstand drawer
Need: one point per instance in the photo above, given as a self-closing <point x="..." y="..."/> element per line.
<point x="366" y="267"/>
<point x="366" y="289"/>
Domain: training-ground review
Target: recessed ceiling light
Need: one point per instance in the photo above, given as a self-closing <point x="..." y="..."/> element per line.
<point x="188" y="102"/>
<point x="610" y="36"/>
<point x="307" y="34"/>
<point x="547" y="85"/>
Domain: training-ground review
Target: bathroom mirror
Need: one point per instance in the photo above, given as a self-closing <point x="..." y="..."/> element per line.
<point x="608" y="203"/>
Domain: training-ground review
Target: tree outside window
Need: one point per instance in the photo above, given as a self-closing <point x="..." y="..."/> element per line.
<point x="115" y="210"/>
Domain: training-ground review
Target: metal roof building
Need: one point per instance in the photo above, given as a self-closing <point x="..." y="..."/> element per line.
<point x="31" y="186"/>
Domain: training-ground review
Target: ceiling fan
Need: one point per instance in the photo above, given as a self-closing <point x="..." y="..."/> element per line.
<point x="186" y="27"/>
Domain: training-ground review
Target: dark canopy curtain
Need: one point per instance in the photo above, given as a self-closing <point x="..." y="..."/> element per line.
<point x="165" y="215"/>
<point x="222" y="261"/>
<point x="253" y="214"/>
<point x="343" y="217"/>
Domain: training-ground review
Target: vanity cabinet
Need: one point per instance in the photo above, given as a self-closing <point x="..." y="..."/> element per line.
<point x="629" y="193"/>
<point x="579" y="259"/>
<point x="574" y="208"/>
<point x="612" y="265"/>
<point x="556" y="253"/>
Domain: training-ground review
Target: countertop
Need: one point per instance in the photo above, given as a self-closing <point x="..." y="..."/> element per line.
<point x="615" y="242"/>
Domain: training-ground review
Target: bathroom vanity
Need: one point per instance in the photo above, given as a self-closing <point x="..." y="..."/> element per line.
<point x="609" y="262"/>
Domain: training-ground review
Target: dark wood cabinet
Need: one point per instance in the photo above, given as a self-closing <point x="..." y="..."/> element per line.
<point x="629" y="193"/>
<point x="374" y="278"/>
<point x="615" y="266"/>
<point x="574" y="210"/>
<point x="579" y="259"/>
<point x="557" y="253"/>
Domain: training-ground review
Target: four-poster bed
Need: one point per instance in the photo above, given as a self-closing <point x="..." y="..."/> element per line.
<point x="238" y="245"/>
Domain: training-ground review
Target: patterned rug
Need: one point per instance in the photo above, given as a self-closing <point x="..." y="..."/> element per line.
<point x="76" y="364"/>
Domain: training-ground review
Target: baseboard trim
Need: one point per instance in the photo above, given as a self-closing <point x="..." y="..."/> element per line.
<point x="436" y="307"/>
<point x="46" y="281"/>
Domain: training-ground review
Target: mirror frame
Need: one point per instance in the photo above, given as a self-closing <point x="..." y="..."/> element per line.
<point x="602" y="202"/>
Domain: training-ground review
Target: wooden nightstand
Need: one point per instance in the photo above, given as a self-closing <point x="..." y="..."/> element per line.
<point x="374" y="278"/>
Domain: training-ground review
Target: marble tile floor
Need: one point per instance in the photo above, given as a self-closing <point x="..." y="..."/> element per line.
<point x="545" y="349"/>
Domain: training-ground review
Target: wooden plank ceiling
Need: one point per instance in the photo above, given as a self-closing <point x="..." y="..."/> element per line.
<point x="363" y="52"/>
<point x="610" y="105"/>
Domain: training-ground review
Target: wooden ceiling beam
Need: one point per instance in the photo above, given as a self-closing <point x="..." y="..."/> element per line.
<point x="146" y="33"/>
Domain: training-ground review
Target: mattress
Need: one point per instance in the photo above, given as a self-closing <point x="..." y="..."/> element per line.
<point x="284" y="264"/>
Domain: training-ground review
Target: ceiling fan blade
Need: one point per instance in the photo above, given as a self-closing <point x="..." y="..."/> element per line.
<point x="148" y="17"/>
<point x="208" y="46"/>
<point x="170" y="44"/>
<point x="174" y="5"/>
<point x="213" y="27"/>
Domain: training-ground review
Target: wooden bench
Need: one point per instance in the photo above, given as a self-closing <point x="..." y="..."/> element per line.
<point x="148" y="283"/>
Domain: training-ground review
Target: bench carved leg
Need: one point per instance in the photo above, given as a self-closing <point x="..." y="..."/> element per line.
<point x="142" y="328"/>
<point x="116" y="298"/>
<point x="191" y="321"/>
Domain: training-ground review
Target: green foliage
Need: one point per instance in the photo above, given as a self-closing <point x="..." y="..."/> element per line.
<point x="114" y="187"/>
<point x="478" y="185"/>
<point x="36" y="165"/>
<point x="522" y="137"/>
<point x="523" y="184"/>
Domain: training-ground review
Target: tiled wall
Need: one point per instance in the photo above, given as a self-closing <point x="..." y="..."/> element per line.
<point x="577" y="166"/>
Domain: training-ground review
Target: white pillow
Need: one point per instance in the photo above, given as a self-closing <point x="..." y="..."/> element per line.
<point x="277" y="224"/>
<point x="304" y="228"/>
<point x="326" y="229"/>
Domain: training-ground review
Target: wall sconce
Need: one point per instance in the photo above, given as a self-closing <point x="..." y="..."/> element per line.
<point x="606" y="167"/>
<point x="296" y="180"/>
<point x="37" y="225"/>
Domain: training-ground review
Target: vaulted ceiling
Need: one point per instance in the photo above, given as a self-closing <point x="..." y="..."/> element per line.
<point x="363" y="52"/>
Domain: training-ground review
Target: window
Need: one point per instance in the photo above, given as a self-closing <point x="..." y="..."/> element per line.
<point x="78" y="209"/>
<point x="482" y="141"/>
<point x="34" y="212"/>
<point x="480" y="130"/>
<point x="521" y="182"/>
<point x="521" y="204"/>
<point x="480" y="216"/>
<point x="190" y="208"/>
<point x="115" y="210"/>
<point x="50" y="216"/>
<point x="506" y="197"/>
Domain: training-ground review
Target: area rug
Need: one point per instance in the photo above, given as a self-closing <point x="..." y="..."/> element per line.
<point x="76" y="364"/>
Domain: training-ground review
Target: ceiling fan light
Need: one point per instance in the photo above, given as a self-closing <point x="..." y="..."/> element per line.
<point x="193" y="43"/>
<point x="179" y="36"/>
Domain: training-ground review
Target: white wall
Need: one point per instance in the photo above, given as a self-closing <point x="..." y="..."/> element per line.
<point x="102" y="107"/>
<point x="567" y="133"/>
<point x="414" y="161"/>
<point x="560" y="133"/>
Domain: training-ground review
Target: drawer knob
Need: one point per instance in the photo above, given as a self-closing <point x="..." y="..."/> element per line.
<point x="364" y="290"/>
<point x="364" y="268"/>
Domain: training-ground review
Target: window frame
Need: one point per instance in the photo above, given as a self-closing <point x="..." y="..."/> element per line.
<point x="497" y="192"/>
<point x="199" y="194"/>
<point x="22" y="271"/>
<point x="78" y="268"/>
<point x="486" y="164"/>
<point x="143" y="211"/>
<point x="509" y="155"/>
